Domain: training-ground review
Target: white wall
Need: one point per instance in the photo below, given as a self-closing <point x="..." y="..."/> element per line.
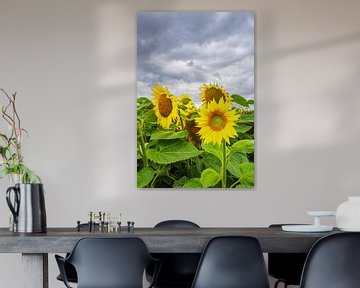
<point x="73" y="64"/>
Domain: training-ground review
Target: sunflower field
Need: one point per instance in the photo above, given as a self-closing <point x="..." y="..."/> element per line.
<point x="184" y="145"/>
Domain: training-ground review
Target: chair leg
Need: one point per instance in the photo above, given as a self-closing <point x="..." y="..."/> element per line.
<point x="278" y="282"/>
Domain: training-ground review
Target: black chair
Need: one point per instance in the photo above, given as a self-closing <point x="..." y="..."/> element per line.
<point x="286" y="267"/>
<point x="176" y="224"/>
<point x="232" y="262"/>
<point x="178" y="269"/>
<point x="333" y="262"/>
<point x="69" y="269"/>
<point x="108" y="263"/>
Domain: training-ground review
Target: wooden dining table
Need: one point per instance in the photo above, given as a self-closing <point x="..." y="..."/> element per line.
<point x="35" y="247"/>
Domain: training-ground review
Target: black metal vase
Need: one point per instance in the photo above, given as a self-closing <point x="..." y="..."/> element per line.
<point x="27" y="204"/>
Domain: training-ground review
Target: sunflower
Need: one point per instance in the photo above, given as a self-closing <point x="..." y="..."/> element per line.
<point x="188" y="106"/>
<point x="193" y="131"/>
<point x="165" y="103"/>
<point x="217" y="122"/>
<point x="210" y="92"/>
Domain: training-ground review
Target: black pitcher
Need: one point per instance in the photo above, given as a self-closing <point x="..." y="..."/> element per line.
<point x="28" y="207"/>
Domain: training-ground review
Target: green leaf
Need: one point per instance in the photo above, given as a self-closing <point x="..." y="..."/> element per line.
<point x="247" y="117"/>
<point x="194" y="116"/>
<point x="250" y="102"/>
<point x="182" y="107"/>
<point x="240" y="100"/>
<point x="234" y="164"/>
<point x="143" y="102"/>
<point x="4" y="137"/>
<point x="199" y="165"/>
<point x="209" y="177"/>
<point x="3" y="173"/>
<point x="247" y="173"/>
<point x="3" y="151"/>
<point x="180" y="182"/>
<point x="211" y="161"/>
<point x="193" y="183"/>
<point x="26" y="132"/>
<point x="144" y="177"/>
<point x="185" y="100"/>
<point x="171" y="151"/>
<point x="213" y="149"/>
<point x="168" y="134"/>
<point x="242" y="186"/>
<point x="243" y="128"/>
<point x="33" y="177"/>
<point x="244" y="146"/>
<point x="150" y="117"/>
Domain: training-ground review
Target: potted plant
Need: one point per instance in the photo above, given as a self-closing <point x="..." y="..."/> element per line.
<point x="12" y="161"/>
<point x="25" y="197"/>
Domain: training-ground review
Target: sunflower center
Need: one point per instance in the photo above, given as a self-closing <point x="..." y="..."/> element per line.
<point x="193" y="130"/>
<point x="165" y="105"/>
<point x="217" y="122"/>
<point x="213" y="93"/>
<point x="185" y="101"/>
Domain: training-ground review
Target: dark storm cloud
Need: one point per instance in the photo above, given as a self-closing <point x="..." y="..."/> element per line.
<point x="182" y="50"/>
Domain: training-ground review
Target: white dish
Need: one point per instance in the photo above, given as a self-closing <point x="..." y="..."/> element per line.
<point x="350" y="229"/>
<point x="306" y="228"/>
<point x="321" y="213"/>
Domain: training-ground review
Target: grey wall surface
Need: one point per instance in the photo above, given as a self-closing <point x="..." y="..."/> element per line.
<point x="73" y="64"/>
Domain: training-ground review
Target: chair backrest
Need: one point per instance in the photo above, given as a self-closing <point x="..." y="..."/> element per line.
<point x="333" y="262"/>
<point x="232" y="262"/>
<point x="178" y="269"/>
<point x="176" y="224"/>
<point x="286" y="267"/>
<point x="110" y="262"/>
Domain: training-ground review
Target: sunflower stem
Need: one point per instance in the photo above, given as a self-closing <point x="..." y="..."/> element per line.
<point x="181" y="121"/>
<point x="158" y="173"/>
<point x="223" y="181"/>
<point x="142" y="145"/>
<point x="235" y="183"/>
<point x="154" y="179"/>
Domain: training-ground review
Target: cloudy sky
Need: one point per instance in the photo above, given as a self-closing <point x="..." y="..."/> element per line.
<point x="182" y="50"/>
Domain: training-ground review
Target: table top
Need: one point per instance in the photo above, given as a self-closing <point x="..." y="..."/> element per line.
<point x="158" y="240"/>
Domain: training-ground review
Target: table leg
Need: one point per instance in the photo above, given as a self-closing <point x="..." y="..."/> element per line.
<point x="35" y="270"/>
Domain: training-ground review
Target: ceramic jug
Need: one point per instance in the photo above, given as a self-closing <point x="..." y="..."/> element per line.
<point x="348" y="214"/>
<point x="27" y="207"/>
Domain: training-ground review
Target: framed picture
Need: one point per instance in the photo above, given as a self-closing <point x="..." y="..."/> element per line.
<point x="195" y="100"/>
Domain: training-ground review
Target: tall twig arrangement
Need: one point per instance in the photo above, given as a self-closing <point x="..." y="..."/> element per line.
<point x="12" y="160"/>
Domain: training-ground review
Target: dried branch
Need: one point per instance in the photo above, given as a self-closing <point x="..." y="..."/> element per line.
<point x="12" y="159"/>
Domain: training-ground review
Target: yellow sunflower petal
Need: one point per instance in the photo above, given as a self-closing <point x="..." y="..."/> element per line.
<point x="165" y="106"/>
<point x="188" y="105"/>
<point x="217" y="122"/>
<point x="210" y="92"/>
